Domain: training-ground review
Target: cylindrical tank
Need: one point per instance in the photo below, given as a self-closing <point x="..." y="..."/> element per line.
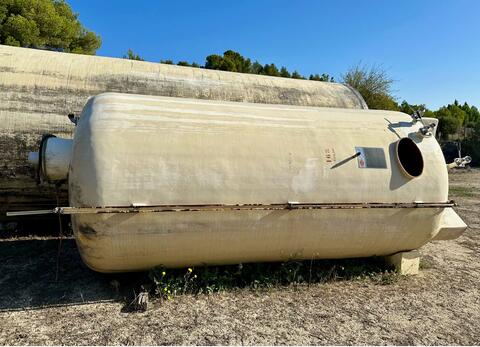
<point x="207" y="181"/>
<point x="39" y="88"/>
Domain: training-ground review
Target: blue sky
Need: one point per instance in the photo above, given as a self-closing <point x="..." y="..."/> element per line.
<point x="430" y="47"/>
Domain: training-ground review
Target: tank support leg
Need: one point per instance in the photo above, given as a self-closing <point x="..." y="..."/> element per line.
<point x="406" y="263"/>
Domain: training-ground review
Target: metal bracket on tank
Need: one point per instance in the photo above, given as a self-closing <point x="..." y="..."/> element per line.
<point x="220" y="207"/>
<point x="426" y="129"/>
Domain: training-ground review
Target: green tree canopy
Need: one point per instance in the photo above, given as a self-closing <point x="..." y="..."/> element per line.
<point x="270" y="70"/>
<point x="456" y="112"/>
<point x="186" y="63"/>
<point x="234" y="61"/>
<point x="284" y="72"/>
<point x="256" y="68"/>
<point x="448" y="123"/>
<point x="46" y="24"/>
<point x="407" y="108"/>
<point x="323" y="77"/>
<point x="230" y="61"/>
<point x="132" y="55"/>
<point x="472" y="115"/>
<point x="373" y="84"/>
<point x="296" y="75"/>
<point x="471" y="145"/>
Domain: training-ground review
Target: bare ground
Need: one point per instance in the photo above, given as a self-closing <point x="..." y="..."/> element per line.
<point x="440" y="306"/>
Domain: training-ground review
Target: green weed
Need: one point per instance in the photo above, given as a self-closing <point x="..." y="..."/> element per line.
<point x="168" y="283"/>
<point x="462" y="191"/>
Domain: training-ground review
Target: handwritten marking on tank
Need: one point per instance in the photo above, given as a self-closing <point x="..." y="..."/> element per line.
<point x="330" y="156"/>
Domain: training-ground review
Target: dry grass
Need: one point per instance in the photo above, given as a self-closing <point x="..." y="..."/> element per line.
<point x="440" y="306"/>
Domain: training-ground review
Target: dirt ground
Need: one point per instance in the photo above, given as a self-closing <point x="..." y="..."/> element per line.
<point x="440" y="306"/>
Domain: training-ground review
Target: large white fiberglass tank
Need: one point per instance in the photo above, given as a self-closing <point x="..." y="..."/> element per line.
<point x="38" y="88"/>
<point x="183" y="182"/>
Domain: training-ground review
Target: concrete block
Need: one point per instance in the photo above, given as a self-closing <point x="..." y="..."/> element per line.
<point x="406" y="263"/>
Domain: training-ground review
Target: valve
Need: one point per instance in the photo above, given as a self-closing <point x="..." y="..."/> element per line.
<point x="460" y="162"/>
<point x="417" y="116"/>
<point x="426" y="129"/>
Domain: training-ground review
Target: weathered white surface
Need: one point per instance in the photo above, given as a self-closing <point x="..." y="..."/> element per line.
<point x="157" y="150"/>
<point x="56" y="158"/>
<point x="132" y="242"/>
<point x="451" y="226"/>
<point x="143" y="150"/>
<point x="39" y="88"/>
<point x="405" y="263"/>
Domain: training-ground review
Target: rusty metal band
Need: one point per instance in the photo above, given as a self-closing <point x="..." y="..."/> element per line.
<point x="220" y="207"/>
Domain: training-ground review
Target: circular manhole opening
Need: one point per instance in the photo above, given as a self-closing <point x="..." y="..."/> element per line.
<point x="409" y="157"/>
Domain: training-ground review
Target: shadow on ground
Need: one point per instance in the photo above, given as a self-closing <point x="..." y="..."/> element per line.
<point x="30" y="278"/>
<point x="28" y="272"/>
